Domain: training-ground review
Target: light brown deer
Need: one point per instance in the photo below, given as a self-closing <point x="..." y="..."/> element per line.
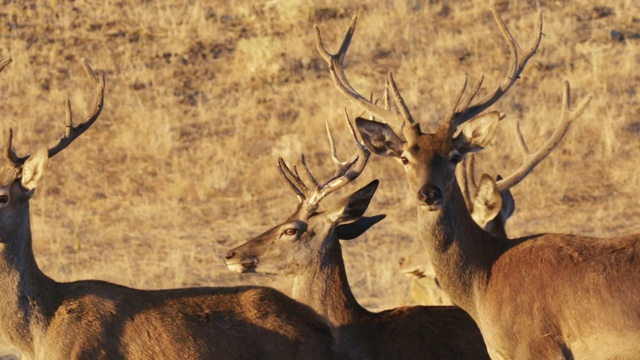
<point x="94" y="319"/>
<point x="489" y="208"/>
<point x="547" y="296"/>
<point x="306" y="247"/>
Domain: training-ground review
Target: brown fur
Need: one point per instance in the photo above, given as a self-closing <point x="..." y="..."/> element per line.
<point x="543" y="297"/>
<point x="552" y="296"/>
<point x="313" y="258"/>
<point x="89" y="319"/>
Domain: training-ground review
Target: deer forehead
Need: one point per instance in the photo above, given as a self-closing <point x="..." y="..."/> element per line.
<point x="428" y="147"/>
<point x="8" y="173"/>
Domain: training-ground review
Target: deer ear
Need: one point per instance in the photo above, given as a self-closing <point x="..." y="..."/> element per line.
<point x="358" y="227"/>
<point x="475" y="134"/>
<point x="488" y="201"/>
<point x="352" y="207"/>
<point x="34" y="169"/>
<point x="379" y="138"/>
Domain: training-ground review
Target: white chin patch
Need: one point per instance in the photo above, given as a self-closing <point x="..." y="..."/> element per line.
<point x="236" y="267"/>
<point x="432" y="207"/>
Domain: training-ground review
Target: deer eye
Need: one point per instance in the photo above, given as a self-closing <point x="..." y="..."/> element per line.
<point x="404" y="160"/>
<point x="4" y="199"/>
<point x="291" y="231"/>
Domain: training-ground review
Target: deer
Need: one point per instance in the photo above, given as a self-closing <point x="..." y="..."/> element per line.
<point x="307" y="248"/>
<point x="543" y="296"/>
<point x="92" y="319"/>
<point x="489" y="208"/>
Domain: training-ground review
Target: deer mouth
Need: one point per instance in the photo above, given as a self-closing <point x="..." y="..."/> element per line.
<point x="430" y="207"/>
<point x="243" y="265"/>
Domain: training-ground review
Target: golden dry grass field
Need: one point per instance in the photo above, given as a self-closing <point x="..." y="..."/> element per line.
<point x="202" y="96"/>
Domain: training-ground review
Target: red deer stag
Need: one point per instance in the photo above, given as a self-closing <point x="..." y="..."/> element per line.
<point x="546" y="296"/>
<point x="306" y="247"/>
<point x="93" y="319"/>
<point x="489" y="208"/>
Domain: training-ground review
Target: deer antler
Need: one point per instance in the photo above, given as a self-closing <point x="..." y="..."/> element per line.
<point x="4" y="63"/>
<point x="8" y="151"/>
<point x="346" y="172"/>
<point x="336" y="68"/>
<point x="71" y="132"/>
<point x="466" y="178"/>
<point x="530" y="160"/>
<point x="461" y="112"/>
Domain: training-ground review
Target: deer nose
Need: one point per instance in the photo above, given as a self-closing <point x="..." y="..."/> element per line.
<point x="430" y="194"/>
<point x="229" y="255"/>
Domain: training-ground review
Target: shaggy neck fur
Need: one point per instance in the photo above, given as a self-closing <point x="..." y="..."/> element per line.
<point x="462" y="253"/>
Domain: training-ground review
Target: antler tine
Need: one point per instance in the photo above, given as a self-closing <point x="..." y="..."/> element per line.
<point x="407" y="119"/>
<point x="309" y="174"/>
<point x="5" y="62"/>
<point x="72" y="132"/>
<point x="295" y="183"/>
<point x="466" y="178"/>
<point x="334" y="152"/>
<point x="385" y="96"/>
<point x="518" y="63"/>
<point x="346" y="171"/>
<point x="8" y="151"/>
<point x="336" y="61"/>
<point x="463" y="181"/>
<point x="531" y="160"/>
<point x="363" y="150"/>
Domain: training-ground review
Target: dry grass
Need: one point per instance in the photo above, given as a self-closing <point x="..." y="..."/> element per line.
<point x="201" y="98"/>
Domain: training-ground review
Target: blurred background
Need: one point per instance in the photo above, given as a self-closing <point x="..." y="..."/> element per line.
<point x="202" y="96"/>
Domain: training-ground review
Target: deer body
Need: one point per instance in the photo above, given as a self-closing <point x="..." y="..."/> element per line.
<point x="489" y="208"/>
<point x="445" y="332"/>
<point x="91" y="319"/>
<point x="307" y="248"/>
<point x="544" y="296"/>
<point x="549" y="296"/>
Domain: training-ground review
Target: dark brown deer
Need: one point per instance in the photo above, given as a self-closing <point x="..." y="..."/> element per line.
<point x="91" y="319"/>
<point x="306" y="247"/>
<point x="547" y="296"/>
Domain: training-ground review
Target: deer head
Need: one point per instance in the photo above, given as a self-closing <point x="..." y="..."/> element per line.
<point x="289" y="247"/>
<point x="20" y="175"/>
<point x="430" y="159"/>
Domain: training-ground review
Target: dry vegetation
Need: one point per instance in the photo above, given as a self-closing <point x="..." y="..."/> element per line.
<point x="202" y="98"/>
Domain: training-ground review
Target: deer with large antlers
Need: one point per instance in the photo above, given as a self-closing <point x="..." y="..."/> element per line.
<point x="489" y="208"/>
<point x="547" y="296"/>
<point x="93" y="319"/>
<point x="306" y="247"/>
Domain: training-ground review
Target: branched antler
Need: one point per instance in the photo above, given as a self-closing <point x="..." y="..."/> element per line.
<point x="346" y="172"/>
<point x="71" y="132"/>
<point x="460" y="111"/>
<point x="531" y="160"/>
<point x="336" y="68"/>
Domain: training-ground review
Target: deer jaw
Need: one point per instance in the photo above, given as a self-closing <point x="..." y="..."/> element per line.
<point x="282" y="250"/>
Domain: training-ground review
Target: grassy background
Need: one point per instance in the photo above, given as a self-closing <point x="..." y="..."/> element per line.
<point x="202" y="97"/>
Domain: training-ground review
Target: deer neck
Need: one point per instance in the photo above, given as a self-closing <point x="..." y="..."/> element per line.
<point x="461" y="252"/>
<point x="24" y="289"/>
<point x="325" y="288"/>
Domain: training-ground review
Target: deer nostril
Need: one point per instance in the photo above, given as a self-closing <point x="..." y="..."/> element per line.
<point x="229" y="255"/>
<point x="430" y="194"/>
